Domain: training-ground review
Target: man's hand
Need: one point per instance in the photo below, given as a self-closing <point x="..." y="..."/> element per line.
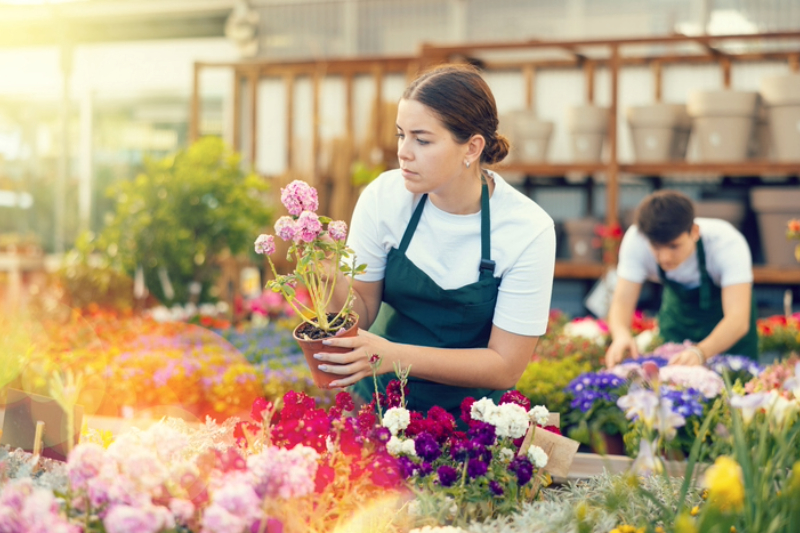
<point x="622" y="345"/>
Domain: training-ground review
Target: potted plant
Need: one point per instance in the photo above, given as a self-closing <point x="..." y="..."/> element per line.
<point x="316" y="249"/>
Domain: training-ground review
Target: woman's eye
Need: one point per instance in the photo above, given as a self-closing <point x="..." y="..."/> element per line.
<point x="420" y="141"/>
<point x="399" y="135"/>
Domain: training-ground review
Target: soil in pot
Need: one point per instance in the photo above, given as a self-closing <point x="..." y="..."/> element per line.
<point x="310" y="337"/>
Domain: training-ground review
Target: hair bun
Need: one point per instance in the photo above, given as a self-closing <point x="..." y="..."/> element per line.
<point x="496" y="149"/>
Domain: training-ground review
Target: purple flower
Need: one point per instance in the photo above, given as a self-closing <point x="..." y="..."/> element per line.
<point x="424" y="469"/>
<point x="299" y="196"/>
<point x="407" y="467"/>
<point x="382" y="434"/>
<point x="286" y="228"/>
<point x="459" y="450"/>
<point x="476" y="468"/>
<point x="523" y="468"/>
<point x="447" y="475"/>
<point x="308" y="226"/>
<point x="482" y="433"/>
<point x="337" y="230"/>
<point x="426" y="447"/>
<point x="265" y="244"/>
<point x="496" y="488"/>
<point x="689" y="402"/>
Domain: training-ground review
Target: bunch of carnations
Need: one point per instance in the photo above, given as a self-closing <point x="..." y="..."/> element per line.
<point x="460" y="476"/>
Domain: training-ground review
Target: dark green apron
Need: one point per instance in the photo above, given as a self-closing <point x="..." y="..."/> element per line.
<point x="415" y="310"/>
<point x="693" y="313"/>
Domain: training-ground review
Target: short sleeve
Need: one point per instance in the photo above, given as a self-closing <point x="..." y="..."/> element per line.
<point x="523" y="300"/>
<point x="363" y="237"/>
<point x="633" y="250"/>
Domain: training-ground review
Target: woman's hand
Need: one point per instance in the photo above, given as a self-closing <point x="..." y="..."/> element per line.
<point x="355" y="365"/>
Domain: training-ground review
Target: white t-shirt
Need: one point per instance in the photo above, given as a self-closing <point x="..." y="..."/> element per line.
<point x="728" y="259"/>
<point x="447" y="247"/>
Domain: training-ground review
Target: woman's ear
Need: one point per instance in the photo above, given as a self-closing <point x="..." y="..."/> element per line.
<point x="475" y="146"/>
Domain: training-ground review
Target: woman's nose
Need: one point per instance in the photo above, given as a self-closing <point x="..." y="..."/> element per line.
<point x="403" y="152"/>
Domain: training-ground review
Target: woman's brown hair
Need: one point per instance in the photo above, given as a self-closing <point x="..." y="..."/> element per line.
<point x="462" y="100"/>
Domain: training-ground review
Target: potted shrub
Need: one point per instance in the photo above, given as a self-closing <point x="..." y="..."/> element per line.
<point x="316" y="244"/>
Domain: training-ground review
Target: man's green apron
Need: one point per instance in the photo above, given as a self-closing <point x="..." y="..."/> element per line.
<point x="415" y="310"/>
<point x="693" y="313"/>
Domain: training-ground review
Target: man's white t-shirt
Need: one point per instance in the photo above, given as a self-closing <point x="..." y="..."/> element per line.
<point x="728" y="259"/>
<point x="447" y="247"/>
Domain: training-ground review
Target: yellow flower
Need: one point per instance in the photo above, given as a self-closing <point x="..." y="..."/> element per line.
<point x="733" y="529"/>
<point x="685" y="524"/>
<point x="659" y="529"/>
<point x="695" y="510"/>
<point x="725" y="485"/>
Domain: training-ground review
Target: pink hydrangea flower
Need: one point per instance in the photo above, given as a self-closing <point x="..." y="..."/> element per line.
<point x="337" y="230"/>
<point x="299" y="196"/>
<point x="286" y="228"/>
<point x="265" y="244"/>
<point x="308" y="226"/>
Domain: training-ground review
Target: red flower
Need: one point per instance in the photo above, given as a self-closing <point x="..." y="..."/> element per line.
<point x="516" y="397"/>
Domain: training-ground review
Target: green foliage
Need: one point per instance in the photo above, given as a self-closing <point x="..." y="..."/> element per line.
<point x="544" y="380"/>
<point x="181" y="214"/>
<point x="88" y="279"/>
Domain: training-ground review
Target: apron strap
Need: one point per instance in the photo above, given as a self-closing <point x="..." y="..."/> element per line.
<point x="487" y="265"/>
<point x="705" y="279"/>
<point x="412" y="224"/>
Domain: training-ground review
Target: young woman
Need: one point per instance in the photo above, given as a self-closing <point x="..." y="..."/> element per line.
<point x="459" y="263"/>
<point x="706" y="271"/>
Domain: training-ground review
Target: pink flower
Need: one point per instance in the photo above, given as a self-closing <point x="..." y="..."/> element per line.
<point x="145" y="519"/>
<point x="84" y="463"/>
<point x="337" y="230"/>
<point x="308" y="226"/>
<point x="265" y="244"/>
<point x="286" y="228"/>
<point x="299" y="196"/>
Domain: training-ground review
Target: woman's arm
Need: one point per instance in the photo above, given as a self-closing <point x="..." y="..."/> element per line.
<point x="499" y="366"/>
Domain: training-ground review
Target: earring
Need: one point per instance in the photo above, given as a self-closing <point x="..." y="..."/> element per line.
<point x="466" y="163"/>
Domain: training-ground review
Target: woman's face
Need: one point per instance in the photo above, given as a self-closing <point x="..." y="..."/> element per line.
<point x="430" y="158"/>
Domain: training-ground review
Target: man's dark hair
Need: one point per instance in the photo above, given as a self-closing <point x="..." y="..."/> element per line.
<point x="664" y="216"/>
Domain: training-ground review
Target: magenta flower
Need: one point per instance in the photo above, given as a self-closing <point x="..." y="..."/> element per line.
<point x="299" y="196"/>
<point x="265" y="244"/>
<point x="337" y="230"/>
<point x="447" y="475"/>
<point x="286" y="228"/>
<point x="308" y="226"/>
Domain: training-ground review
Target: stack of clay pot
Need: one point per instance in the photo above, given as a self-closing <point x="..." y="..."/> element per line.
<point x="723" y="123"/>
<point x="588" y="127"/>
<point x="660" y="131"/>
<point x="781" y="95"/>
<point x="529" y="136"/>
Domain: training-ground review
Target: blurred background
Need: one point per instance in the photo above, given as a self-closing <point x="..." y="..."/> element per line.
<point x="93" y="90"/>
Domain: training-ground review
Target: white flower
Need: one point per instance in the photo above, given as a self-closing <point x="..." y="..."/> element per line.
<point x="396" y="419"/>
<point x="329" y="445"/>
<point x="409" y="448"/>
<point x="394" y="446"/>
<point x="640" y="403"/>
<point x="780" y="409"/>
<point x="506" y="455"/>
<point x="708" y="382"/>
<point x="667" y="419"/>
<point x="537" y="456"/>
<point x="793" y="383"/>
<point x="587" y="328"/>
<point x="438" y="529"/>
<point x="539" y="414"/>
<point x="397" y="446"/>
<point x="749" y="404"/>
<point x="646" y="463"/>
<point x="510" y="420"/>
<point x="483" y="410"/>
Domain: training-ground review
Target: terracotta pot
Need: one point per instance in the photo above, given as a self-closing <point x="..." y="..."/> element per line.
<point x="310" y="347"/>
